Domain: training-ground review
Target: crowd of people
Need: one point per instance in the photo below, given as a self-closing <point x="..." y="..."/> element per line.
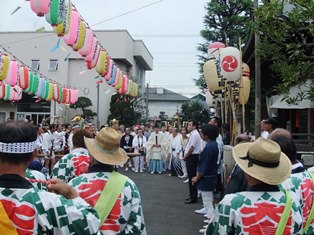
<point x="269" y="191"/>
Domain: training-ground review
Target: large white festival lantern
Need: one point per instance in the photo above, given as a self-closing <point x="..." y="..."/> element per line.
<point x="230" y="64"/>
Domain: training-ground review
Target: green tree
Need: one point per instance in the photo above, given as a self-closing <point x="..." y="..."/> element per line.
<point x="126" y="109"/>
<point x="83" y="103"/>
<point x="194" y="110"/>
<point x="287" y="36"/>
<point x="225" y="21"/>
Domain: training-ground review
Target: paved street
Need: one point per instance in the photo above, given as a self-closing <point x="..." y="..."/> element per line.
<point x="163" y="203"/>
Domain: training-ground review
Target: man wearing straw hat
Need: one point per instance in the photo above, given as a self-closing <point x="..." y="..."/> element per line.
<point x="24" y="209"/>
<point x="114" y="196"/>
<point x="263" y="208"/>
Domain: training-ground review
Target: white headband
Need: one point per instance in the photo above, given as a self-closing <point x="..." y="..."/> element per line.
<point x="27" y="147"/>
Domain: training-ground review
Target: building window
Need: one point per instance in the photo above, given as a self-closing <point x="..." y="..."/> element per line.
<point x="35" y="64"/>
<point x="53" y="65"/>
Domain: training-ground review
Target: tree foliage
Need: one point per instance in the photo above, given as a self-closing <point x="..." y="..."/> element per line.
<point x="194" y="110"/>
<point x="287" y="40"/>
<point x="225" y="21"/>
<point x="83" y="103"/>
<point x="126" y="109"/>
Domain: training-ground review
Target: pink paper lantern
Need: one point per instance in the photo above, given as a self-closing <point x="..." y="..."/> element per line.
<point x="91" y="64"/>
<point x="13" y="73"/>
<point x="109" y="69"/>
<point x="125" y="84"/>
<point x="40" y="7"/>
<point x="56" y="92"/>
<point x="87" y="46"/>
<point x="2" y="91"/>
<point x="71" y="37"/>
<point x="24" y="77"/>
<point x="95" y="43"/>
<point x="76" y="95"/>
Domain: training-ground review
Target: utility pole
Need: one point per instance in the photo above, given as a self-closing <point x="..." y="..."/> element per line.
<point x="97" y="117"/>
<point x="147" y="89"/>
<point x="257" y="80"/>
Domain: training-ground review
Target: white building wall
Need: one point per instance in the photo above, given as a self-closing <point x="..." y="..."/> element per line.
<point x="170" y="108"/>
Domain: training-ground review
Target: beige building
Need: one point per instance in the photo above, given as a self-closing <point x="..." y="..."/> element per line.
<point x="68" y="68"/>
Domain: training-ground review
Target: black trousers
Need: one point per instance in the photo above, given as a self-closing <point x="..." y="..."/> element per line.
<point x="191" y="166"/>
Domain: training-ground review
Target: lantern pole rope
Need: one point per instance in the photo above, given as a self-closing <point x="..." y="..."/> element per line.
<point x="35" y="71"/>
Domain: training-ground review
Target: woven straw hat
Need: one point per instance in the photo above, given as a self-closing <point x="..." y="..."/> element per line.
<point x="105" y="148"/>
<point x="263" y="160"/>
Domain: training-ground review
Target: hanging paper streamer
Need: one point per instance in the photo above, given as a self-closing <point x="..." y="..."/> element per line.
<point x="4" y="65"/>
<point x="41" y="30"/>
<point x="40" y="7"/>
<point x="56" y="47"/>
<point x="67" y="57"/>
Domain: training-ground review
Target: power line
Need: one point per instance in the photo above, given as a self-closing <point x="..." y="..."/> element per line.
<point x="128" y="12"/>
<point x="166" y="35"/>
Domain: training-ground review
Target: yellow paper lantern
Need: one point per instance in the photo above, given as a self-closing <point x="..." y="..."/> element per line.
<point x="101" y="63"/>
<point x="211" y="76"/>
<point x="4" y="65"/>
<point x="244" y="90"/>
<point x="81" y="36"/>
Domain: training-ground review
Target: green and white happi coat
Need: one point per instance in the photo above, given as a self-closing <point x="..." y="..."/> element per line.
<point x="254" y="213"/>
<point x="33" y="211"/>
<point x="72" y="165"/>
<point x="302" y="187"/>
<point x="126" y="217"/>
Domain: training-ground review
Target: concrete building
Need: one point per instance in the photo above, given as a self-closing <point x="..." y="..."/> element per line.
<point x="161" y="99"/>
<point x="67" y="67"/>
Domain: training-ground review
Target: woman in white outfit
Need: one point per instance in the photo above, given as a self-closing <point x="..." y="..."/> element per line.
<point x="139" y="146"/>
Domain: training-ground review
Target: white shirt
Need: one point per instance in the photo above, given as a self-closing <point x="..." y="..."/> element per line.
<point x="48" y="140"/>
<point x="139" y="142"/>
<point x="195" y="141"/>
<point x="59" y="140"/>
<point x="265" y="134"/>
<point x="175" y="144"/>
